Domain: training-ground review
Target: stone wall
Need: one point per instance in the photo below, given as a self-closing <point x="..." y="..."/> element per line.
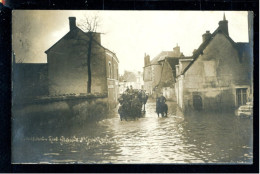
<point x="112" y="79"/>
<point x="113" y="92"/>
<point x="148" y="87"/>
<point x="156" y="74"/>
<point x="111" y="66"/>
<point x="60" y="111"/>
<point x="147" y="76"/>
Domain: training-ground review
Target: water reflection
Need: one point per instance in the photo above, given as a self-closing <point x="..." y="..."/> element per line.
<point x="193" y="138"/>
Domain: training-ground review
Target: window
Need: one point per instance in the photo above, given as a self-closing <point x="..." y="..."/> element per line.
<point x="209" y="68"/>
<point x="117" y="74"/>
<point x="241" y="94"/>
<point x="109" y="70"/>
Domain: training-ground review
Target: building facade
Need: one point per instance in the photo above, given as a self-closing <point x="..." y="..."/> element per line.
<point x="219" y="74"/>
<point x="159" y="75"/>
<point x="168" y="77"/>
<point x="67" y="65"/>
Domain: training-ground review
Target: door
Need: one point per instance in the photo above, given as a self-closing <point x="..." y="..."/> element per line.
<point x="241" y="95"/>
<point x="197" y="102"/>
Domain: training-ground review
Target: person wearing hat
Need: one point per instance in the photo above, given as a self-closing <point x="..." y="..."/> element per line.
<point x="162" y="99"/>
<point x="131" y="90"/>
<point x="161" y="106"/>
<point x="127" y="89"/>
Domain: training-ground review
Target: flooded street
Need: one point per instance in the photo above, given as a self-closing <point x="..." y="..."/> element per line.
<point x="194" y="138"/>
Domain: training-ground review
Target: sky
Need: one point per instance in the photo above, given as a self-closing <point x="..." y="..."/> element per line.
<point x="130" y="34"/>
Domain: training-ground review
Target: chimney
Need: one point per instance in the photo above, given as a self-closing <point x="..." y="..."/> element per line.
<point x="206" y="36"/>
<point x="176" y="51"/>
<point x="146" y="60"/>
<point x="223" y="25"/>
<point x="72" y="21"/>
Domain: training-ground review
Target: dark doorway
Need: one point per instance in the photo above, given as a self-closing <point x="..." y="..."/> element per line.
<point x="197" y="102"/>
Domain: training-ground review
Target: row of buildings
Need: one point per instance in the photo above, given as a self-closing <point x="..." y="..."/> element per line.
<point x="66" y="70"/>
<point x="218" y="76"/>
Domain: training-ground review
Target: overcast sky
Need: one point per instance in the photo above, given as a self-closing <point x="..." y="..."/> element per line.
<point x="130" y="34"/>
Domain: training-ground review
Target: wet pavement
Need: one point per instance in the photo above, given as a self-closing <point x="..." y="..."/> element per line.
<point x="193" y="138"/>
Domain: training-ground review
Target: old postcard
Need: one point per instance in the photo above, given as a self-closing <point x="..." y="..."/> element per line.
<point x="132" y="87"/>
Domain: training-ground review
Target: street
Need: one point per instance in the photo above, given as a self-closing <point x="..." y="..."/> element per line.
<point x="195" y="138"/>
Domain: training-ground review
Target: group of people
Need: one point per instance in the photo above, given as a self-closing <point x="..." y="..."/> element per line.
<point x="131" y="102"/>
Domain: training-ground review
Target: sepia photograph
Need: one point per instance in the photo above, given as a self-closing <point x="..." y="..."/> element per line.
<point x="132" y="87"/>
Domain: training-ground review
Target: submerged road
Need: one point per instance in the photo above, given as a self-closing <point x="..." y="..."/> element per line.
<point x="195" y="138"/>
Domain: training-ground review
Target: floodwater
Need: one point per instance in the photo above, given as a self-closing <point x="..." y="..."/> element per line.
<point x="193" y="138"/>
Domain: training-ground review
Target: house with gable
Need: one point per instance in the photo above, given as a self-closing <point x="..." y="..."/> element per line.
<point x="157" y="73"/>
<point x="67" y="65"/>
<point x="219" y="74"/>
<point x="168" y="75"/>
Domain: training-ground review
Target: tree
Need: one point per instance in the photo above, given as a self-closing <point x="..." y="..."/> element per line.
<point x="128" y="77"/>
<point x="90" y="25"/>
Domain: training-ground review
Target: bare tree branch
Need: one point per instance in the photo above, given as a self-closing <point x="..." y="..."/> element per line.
<point x="89" y="25"/>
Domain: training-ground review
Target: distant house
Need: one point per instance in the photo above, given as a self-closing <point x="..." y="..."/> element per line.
<point x="159" y="73"/>
<point x="67" y="65"/>
<point x="168" y="75"/>
<point x="134" y="79"/>
<point x="219" y="74"/>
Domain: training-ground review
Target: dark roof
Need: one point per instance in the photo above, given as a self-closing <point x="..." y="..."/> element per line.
<point x="162" y="55"/>
<point x="77" y="28"/>
<point x="204" y="44"/>
<point x="175" y="60"/>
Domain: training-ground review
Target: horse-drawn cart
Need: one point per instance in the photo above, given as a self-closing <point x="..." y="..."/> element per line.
<point x="132" y="104"/>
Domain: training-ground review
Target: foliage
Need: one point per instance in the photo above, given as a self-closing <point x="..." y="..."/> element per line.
<point x="127" y="77"/>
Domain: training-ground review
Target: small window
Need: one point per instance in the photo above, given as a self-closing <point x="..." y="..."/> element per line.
<point x="117" y="74"/>
<point x="110" y="70"/>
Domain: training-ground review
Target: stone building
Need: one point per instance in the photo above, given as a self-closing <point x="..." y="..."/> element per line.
<point x="219" y="74"/>
<point x="67" y="65"/>
<point x="158" y="73"/>
<point x="168" y="77"/>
